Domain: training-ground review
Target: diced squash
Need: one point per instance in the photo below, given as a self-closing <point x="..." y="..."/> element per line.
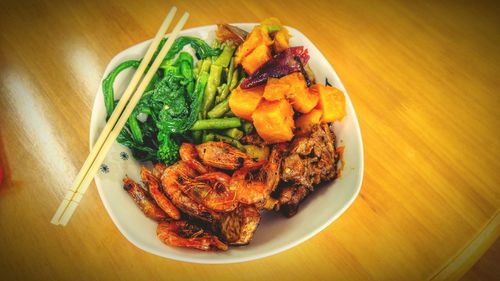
<point x="281" y="40"/>
<point x="294" y="78"/>
<point x="273" y="121"/>
<point x="243" y="102"/>
<point x="301" y="99"/>
<point x="276" y="89"/>
<point x="257" y="58"/>
<point x="258" y="36"/>
<point x="331" y="102"/>
<point x="305" y="121"/>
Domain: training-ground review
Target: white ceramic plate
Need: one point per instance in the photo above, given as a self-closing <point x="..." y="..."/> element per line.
<point x="275" y="232"/>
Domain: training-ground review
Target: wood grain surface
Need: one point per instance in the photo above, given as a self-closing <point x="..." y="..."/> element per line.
<point x="424" y="78"/>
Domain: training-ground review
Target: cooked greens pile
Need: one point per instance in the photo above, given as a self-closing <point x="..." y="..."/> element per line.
<point x="170" y="105"/>
<point x="183" y="102"/>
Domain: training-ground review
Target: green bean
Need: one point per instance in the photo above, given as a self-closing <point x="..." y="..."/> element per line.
<point x="231" y="141"/>
<point x="215" y="45"/>
<point x="233" y="133"/>
<point x="205" y="65"/>
<point x="247" y="127"/>
<point x="220" y="92"/>
<point x="226" y="55"/>
<point x="234" y="80"/>
<point x="213" y="82"/>
<point x="221" y="88"/>
<point x="208" y="137"/>
<point x="216" y="124"/>
<point x="197" y="67"/>
<point x="230" y="78"/>
<point x="219" y="110"/>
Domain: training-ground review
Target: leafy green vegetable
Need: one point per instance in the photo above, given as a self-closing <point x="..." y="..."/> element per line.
<point x="173" y="121"/>
<point x="201" y="48"/>
<point x="170" y="106"/>
<point x="107" y="84"/>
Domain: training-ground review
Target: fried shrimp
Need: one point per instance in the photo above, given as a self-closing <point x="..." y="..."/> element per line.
<point x="172" y="181"/>
<point x="222" y="155"/>
<point x="188" y="154"/>
<point x="183" y="234"/>
<point x="142" y="200"/>
<point x="161" y="199"/>
<point x="253" y="188"/>
<point x="213" y="191"/>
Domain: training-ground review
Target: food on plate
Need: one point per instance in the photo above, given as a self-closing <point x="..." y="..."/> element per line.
<point x="143" y="200"/>
<point x="331" y="102"/>
<point x="238" y="227"/>
<point x="153" y="184"/>
<point x="185" y="234"/>
<point x="223" y="156"/>
<point x="273" y="121"/>
<point x="174" y="182"/>
<point x="306" y="121"/>
<point x="234" y="128"/>
<point x="243" y="102"/>
<point x="311" y="159"/>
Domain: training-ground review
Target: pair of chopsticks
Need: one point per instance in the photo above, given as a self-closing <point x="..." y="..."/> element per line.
<point x="118" y="119"/>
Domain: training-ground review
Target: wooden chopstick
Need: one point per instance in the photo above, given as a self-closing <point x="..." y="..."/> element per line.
<point x="70" y="194"/>
<point x="65" y="217"/>
<point x="76" y="192"/>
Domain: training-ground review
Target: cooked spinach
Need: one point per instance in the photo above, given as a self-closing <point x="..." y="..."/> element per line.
<point x="168" y="108"/>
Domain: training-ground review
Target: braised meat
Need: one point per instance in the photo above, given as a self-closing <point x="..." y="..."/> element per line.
<point x="311" y="159"/>
<point x="290" y="198"/>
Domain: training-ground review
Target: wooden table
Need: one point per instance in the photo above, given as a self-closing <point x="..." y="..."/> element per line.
<point x="424" y="80"/>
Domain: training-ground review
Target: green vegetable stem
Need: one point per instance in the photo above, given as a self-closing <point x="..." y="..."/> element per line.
<point x="231" y="141"/>
<point x="233" y="133"/>
<point x="219" y="110"/>
<point x="213" y="82"/>
<point x="216" y="124"/>
<point x="226" y="55"/>
<point x="107" y="84"/>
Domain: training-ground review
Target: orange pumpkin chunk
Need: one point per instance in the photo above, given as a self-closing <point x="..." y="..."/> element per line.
<point x="331" y="102"/>
<point x="258" y="36"/>
<point x="276" y="89"/>
<point x="305" y="122"/>
<point x="243" y="102"/>
<point x="301" y="99"/>
<point x="257" y="58"/>
<point x="273" y="121"/>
